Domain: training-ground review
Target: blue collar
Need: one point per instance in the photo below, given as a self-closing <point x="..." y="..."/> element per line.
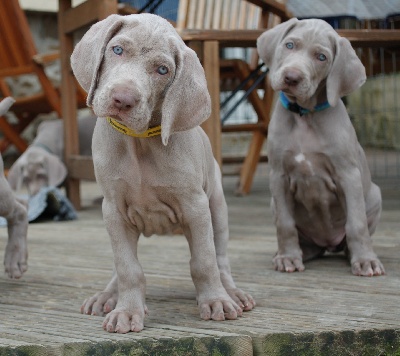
<point x="296" y="108"/>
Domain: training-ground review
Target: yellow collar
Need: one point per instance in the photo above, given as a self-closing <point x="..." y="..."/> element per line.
<point x="154" y="131"/>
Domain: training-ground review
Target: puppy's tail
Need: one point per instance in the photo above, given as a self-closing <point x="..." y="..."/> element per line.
<point x="5" y="104"/>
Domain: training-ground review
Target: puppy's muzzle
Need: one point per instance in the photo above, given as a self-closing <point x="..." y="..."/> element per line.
<point x="124" y="99"/>
<point x="292" y="77"/>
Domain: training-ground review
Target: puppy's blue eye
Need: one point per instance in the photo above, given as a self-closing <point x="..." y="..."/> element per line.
<point x="322" y="57"/>
<point x="290" y="45"/>
<point x="162" y="70"/>
<point x="118" y="50"/>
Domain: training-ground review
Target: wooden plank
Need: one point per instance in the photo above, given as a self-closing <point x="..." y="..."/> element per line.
<point x="217" y="15"/>
<point x="201" y="9"/>
<point x="323" y="310"/>
<point x="87" y="13"/>
<point x="181" y="17"/>
<point x="248" y="38"/>
<point x="13" y="71"/>
<point x="73" y="19"/>
<point x="274" y="7"/>
<point x="244" y="127"/>
<point x="372" y="38"/>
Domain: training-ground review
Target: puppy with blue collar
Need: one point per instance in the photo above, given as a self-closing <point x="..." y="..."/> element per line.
<point x="323" y="198"/>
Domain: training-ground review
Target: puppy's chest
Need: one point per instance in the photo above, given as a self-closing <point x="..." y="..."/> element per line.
<point x="150" y="209"/>
<point x="307" y="163"/>
<point x="148" y="199"/>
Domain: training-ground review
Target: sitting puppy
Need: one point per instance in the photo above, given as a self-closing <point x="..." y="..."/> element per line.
<point x="42" y="164"/>
<point x="154" y="163"/>
<point x="322" y="194"/>
<point x="16" y="255"/>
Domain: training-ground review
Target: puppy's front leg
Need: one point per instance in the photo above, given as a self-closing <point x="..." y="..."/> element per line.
<point x="16" y="255"/>
<point x="130" y="310"/>
<point x="364" y="261"/>
<point x="219" y="216"/>
<point x="289" y="256"/>
<point x="212" y="298"/>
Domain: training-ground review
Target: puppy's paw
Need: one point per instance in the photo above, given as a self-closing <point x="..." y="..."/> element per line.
<point x="244" y="300"/>
<point x="122" y="321"/>
<point x="288" y="263"/>
<point x="100" y="304"/>
<point x="219" y="308"/>
<point x="367" y="267"/>
<point x="15" y="260"/>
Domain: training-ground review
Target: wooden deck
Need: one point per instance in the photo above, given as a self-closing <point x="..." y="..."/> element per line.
<point x="324" y="310"/>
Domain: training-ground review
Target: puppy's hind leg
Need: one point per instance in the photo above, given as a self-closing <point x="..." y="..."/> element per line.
<point x="373" y="206"/>
<point x="219" y="216"/>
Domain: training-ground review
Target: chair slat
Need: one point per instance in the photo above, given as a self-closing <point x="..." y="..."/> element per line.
<point x="217" y="15"/>
<point x="200" y="13"/>
<point x="216" y="21"/>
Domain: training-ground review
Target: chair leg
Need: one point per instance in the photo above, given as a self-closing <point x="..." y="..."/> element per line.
<point x="73" y="192"/>
<point x="254" y="152"/>
<point x="12" y="136"/>
<point x="250" y="163"/>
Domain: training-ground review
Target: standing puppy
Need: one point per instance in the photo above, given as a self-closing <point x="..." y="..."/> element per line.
<point x="154" y="163"/>
<point x="322" y="194"/>
<point x="16" y="255"/>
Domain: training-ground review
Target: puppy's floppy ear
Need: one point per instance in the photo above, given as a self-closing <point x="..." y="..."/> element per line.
<point x="89" y="52"/>
<point x="187" y="102"/>
<point x="269" y="40"/>
<point x="56" y="170"/>
<point x="347" y="73"/>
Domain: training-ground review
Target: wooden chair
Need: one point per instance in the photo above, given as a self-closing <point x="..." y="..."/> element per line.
<point x="18" y="56"/>
<point x="210" y="16"/>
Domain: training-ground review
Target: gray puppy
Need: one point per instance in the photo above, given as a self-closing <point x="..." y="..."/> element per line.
<point x="154" y="163"/>
<point x="322" y="194"/>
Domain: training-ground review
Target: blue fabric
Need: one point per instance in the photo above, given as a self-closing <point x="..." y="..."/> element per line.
<point x="48" y="204"/>
<point x="165" y="8"/>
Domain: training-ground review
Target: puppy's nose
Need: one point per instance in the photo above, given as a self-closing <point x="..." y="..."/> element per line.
<point x="292" y="77"/>
<point x="124" y="100"/>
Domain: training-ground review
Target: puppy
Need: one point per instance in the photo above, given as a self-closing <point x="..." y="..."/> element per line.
<point x="322" y="195"/>
<point x="154" y="163"/>
<point x="16" y="255"/>
<point x="42" y="164"/>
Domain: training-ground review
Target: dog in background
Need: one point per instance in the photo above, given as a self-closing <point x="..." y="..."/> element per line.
<point x="42" y="164"/>
<point x="322" y="195"/>
<point x="14" y="211"/>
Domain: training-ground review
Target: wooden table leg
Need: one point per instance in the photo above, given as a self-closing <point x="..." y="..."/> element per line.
<point x="69" y="20"/>
<point x="213" y="125"/>
<point x="68" y="103"/>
